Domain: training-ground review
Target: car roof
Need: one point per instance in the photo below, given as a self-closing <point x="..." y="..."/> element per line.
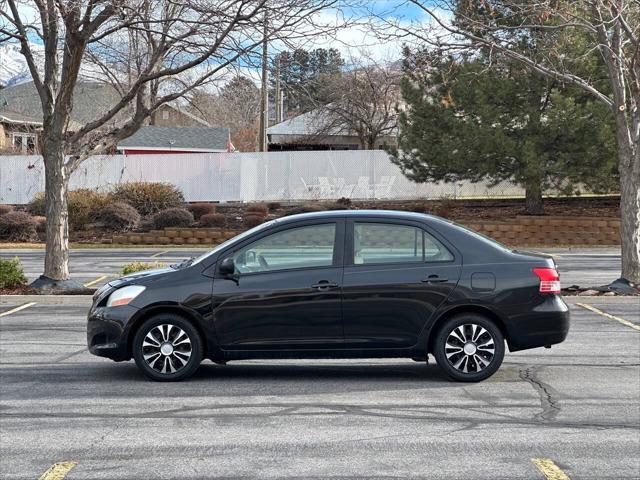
<point x="397" y="214"/>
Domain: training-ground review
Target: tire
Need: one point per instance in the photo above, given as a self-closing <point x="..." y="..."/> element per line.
<point x="162" y="362"/>
<point x="465" y="342"/>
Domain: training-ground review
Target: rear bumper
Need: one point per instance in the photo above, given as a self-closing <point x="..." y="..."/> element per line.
<point x="544" y="325"/>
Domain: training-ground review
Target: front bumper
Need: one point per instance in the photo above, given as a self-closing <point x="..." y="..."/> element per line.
<point x="107" y="331"/>
<point x="544" y="325"/>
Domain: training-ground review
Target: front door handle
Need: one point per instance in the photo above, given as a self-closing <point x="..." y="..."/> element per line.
<point x="324" y="285"/>
<point x="435" y="279"/>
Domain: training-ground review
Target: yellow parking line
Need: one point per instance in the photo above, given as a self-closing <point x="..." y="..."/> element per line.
<point x="17" y="309"/>
<point x="58" y="471"/>
<point x="549" y="469"/>
<point x="608" y="315"/>
<point x="93" y="282"/>
<point x="157" y="254"/>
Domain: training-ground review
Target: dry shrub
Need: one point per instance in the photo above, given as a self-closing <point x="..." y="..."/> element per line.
<point x="172" y="217"/>
<point x="5" y="209"/>
<point x="258" y="209"/>
<point x="253" y="220"/>
<point x="273" y="206"/>
<point x="84" y="205"/>
<point x="148" y="198"/>
<point x="17" y="227"/>
<point x="200" y="209"/>
<point x="119" y="217"/>
<point x="306" y="208"/>
<point x="213" y="220"/>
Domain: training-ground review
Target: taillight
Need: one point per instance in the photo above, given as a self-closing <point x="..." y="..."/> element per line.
<point x="549" y="279"/>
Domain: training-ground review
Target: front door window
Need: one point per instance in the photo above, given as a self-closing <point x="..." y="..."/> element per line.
<point x="303" y="247"/>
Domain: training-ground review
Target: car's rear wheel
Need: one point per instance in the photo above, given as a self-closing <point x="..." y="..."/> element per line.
<point x="469" y="347"/>
<point x="167" y="348"/>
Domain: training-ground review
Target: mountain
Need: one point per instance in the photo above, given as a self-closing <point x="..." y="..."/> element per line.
<point x="13" y="66"/>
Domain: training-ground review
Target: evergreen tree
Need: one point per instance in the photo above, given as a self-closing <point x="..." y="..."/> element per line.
<point x="466" y="121"/>
<point x="302" y="75"/>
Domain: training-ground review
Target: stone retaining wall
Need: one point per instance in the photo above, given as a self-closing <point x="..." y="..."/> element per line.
<point x="176" y="236"/>
<point x="521" y="231"/>
<point x="551" y="231"/>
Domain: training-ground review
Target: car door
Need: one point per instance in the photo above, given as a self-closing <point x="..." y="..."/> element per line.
<point x="286" y="293"/>
<point x="396" y="275"/>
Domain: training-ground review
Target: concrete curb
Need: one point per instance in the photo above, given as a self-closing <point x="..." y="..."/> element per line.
<point x="47" y="299"/>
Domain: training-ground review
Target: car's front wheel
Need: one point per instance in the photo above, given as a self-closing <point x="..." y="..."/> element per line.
<point x="167" y="348"/>
<point x="469" y="347"/>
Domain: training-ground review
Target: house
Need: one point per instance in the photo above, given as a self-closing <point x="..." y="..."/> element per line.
<point x="19" y="134"/>
<point x="162" y="139"/>
<point x="21" y="114"/>
<point x="306" y="132"/>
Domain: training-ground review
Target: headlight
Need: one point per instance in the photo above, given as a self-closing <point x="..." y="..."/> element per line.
<point x="124" y="295"/>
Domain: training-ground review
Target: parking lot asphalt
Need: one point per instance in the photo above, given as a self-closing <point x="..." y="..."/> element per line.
<point x="578" y="266"/>
<point x="573" y="410"/>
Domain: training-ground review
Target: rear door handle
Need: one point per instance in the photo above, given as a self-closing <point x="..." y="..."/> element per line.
<point x="324" y="285"/>
<point x="435" y="279"/>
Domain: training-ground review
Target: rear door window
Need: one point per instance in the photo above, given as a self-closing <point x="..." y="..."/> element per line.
<point x="376" y="243"/>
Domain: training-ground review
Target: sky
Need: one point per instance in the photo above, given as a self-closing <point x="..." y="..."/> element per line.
<point x="356" y="41"/>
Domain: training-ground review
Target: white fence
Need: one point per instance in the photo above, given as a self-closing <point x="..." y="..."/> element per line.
<point x="248" y="177"/>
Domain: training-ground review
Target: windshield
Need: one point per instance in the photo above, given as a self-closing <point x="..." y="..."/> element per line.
<point x="237" y="238"/>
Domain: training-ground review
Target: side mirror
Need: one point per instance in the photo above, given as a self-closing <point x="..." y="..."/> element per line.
<point x="227" y="267"/>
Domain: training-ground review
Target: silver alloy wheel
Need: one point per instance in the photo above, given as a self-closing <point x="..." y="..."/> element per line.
<point x="470" y="348"/>
<point x="166" y="348"/>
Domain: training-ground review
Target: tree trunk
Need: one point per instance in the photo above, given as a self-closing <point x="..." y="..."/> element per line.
<point x="533" y="198"/>
<point x="56" y="260"/>
<point x="629" y="168"/>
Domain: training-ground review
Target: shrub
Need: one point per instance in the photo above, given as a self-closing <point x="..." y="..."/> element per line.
<point x="258" y="209"/>
<point x="272" y="206"/>
<point x="41" y="223"/>
<point x="200" y="209"/>
<point x="11" y="273"/>
<point x="148" y="198"/>
<point x="146" y="224"/>
<point x="140" y="267"/>
<point x="306" y="208"/>
<point x="84" y="205"/>
<point x="5" y="209"/>
<point x="344" y="202"/>
<point x="119" y="217"/>
<point x="213" y="220"/>
<point x="253" y="220"/>
<point x="172" y="217"/>
<point x="36" y="206"/>
<point x="419" y="208"/>
<point x="17" y="227"/>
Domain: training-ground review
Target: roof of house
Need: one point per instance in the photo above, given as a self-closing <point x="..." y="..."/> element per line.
<point x="205" y="139"/>
<point x="90" y="101"/>
<point x="305" y="124"/>
<point x="8" y="116"/>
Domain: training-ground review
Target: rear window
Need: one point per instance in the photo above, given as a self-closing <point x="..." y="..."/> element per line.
<point x="483" y="238"/>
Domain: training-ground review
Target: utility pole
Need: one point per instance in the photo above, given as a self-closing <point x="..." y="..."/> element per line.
<point x="264" y="94"/>
<point x="278" y="93"/>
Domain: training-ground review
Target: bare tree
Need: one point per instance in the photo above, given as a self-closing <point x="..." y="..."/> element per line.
<point x="610" y="27"/>
<point x="362" y="101"/>
<point x="163" y="40"/>
<point x="236" y="106"/>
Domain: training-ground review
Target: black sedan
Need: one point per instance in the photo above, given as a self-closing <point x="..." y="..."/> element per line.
<point x="341" y="284"/>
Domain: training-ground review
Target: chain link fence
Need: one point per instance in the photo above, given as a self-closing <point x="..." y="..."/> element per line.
<point x="246" y="177"/>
